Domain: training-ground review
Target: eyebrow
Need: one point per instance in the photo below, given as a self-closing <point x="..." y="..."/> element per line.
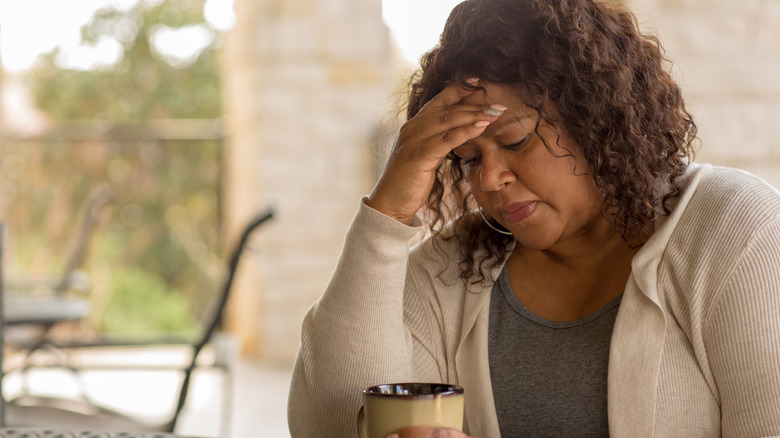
<point x="492" y="129"/>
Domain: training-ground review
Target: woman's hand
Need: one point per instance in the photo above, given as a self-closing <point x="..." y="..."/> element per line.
<point x="443" y="124"/>
<point x="427" y="432"/>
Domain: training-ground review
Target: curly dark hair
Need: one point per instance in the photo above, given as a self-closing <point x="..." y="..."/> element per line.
<point x="612" y="92"/>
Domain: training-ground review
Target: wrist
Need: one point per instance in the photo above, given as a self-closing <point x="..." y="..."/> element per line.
<point x="374" y="204"/>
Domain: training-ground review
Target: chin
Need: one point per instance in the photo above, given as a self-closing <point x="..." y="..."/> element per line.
<point x="537" y="242"/>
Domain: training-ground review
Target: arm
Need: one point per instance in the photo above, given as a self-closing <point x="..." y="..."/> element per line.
<point x="354" y="336"/>
<point x="743" y="340"/>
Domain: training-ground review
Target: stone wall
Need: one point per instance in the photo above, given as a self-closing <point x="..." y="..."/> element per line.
<point x="727" y="58"/>
<point x="307" y="83"/>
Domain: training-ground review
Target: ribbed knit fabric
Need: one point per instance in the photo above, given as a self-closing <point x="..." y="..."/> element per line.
<point x="695" y="349"/>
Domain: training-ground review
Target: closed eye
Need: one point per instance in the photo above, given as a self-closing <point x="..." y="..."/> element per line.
<point x="517" y="145"/>
<point x="470" y="161"/>
<point x="471" y="158"/>
<point x="466" y="153"/>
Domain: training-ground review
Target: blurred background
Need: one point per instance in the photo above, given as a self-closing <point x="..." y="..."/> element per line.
<point x="191" y="116"/>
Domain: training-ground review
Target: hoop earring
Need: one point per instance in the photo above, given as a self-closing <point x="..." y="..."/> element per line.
<point x="496" y="229"/>
<point x="597" y="177"/>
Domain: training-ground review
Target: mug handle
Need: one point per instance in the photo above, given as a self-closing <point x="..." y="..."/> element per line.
<point x="361" y="422"/>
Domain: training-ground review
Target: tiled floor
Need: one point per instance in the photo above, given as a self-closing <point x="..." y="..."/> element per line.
<point x="259" y="403"/>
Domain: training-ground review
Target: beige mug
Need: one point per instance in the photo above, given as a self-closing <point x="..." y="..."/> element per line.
<point x="387" y="408"/>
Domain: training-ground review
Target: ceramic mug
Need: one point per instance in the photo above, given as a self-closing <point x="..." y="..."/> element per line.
<point x="387" y="408"/>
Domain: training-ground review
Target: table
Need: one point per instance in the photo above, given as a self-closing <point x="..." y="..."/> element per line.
<point x="49" y="432"/>
<point x="30" y="309"/>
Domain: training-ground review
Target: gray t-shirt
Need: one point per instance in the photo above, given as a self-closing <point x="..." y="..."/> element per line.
<point x="549" y="378"/>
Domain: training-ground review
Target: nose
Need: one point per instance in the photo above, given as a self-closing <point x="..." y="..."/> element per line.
<point x="495" y="172"/>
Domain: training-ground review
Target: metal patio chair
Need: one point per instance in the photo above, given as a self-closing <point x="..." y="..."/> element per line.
<point x="32" y="410"/>
<point x="35" y="304"/>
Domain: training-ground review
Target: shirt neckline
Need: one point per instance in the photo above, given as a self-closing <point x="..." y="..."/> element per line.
<point x="509" y="295"/>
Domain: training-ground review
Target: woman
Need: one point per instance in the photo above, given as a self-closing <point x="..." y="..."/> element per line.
<point x="582" y="276"/>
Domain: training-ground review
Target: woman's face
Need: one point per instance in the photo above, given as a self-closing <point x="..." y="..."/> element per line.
<point x="545" y="197"/>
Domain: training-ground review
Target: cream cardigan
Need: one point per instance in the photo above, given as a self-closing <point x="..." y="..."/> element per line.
<point x="695" y="350"/>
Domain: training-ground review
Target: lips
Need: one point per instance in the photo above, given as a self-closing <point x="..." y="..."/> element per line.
<point x="517" y="212"/>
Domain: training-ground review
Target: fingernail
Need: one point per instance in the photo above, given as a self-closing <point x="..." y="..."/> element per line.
<point x="481" y="123"/>
<point x="471" y="81"/>
<point x="395" y="435"/>
<point x="494" y="110"/>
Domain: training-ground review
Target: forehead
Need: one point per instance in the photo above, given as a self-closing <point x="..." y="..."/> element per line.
<point x="516" y="113"/>
<point x="506" y="95"/>
<point x="494" y="93"/>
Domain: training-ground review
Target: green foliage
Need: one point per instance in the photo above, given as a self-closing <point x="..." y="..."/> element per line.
<point x="142" y="304"/>
<point x="153" y="258"/>
<point x="143" y="84"/>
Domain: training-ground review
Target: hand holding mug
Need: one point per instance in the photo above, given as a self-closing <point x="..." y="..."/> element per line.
<point x="411" y="410"/>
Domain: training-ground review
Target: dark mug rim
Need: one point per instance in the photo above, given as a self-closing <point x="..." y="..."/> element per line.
<point x="413" y="390"/>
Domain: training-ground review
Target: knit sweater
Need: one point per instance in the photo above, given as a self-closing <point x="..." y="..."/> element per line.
<point x="695" y="349"/>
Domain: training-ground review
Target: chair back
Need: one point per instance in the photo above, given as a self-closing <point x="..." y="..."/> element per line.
<point x="215" y="319"/>
<point x="90" y="215"/>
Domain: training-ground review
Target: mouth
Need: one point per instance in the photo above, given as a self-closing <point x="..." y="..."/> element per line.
<point x="517" y="212"/>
